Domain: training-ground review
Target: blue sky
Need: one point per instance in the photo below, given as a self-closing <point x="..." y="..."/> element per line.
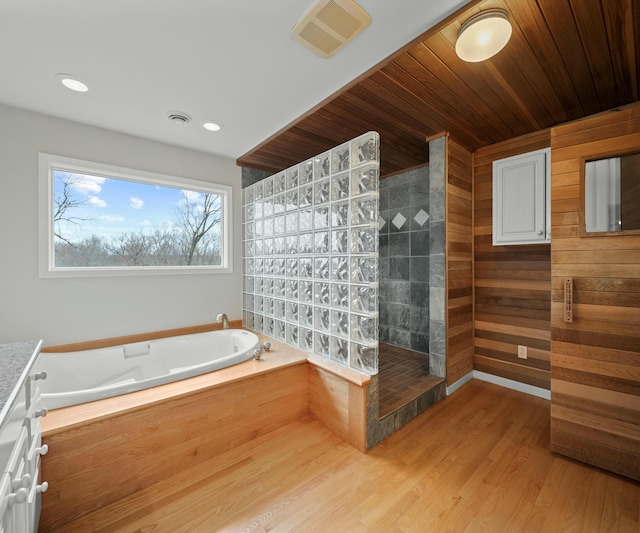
<point x="113" y="206"/>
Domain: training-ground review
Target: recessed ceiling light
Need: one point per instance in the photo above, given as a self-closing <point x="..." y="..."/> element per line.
<point x="483" y="35"/>
<point x="73" y="82"/>
<point x="211" y="125"/>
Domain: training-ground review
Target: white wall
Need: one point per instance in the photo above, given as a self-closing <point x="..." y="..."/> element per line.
<point x="62" y="311"/>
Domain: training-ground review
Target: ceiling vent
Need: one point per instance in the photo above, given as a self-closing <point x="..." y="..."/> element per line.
<point x="329" y="25"/>
<point x="179" y="119"/>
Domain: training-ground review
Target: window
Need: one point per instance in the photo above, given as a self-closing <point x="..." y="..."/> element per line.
<point x="100" y="220"/>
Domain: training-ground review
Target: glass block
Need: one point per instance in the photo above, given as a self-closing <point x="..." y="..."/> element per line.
<point x="279" y="330"/>
<point x="278" y="204"/>
<point x="305" y="243"/>
<point x="248" y="195"/>
<point x="268" y="287"/>
<point x="249" y="300"/>
<point x="321" y="192"/>
<point x="340" y="268"/>
<point x="364" y="179"/>
<point x="364" y="210"/>
<point x="268" y="268"/>
<point x="268" y="324"/>
<point x="364" y="240"/>
<point x="340" y="295"/>
<point x="364" y="328"/>
<point x="291" y="200"/>
<point x="257" y="191"/>
<point x="340" y="186"/>
<point x="340" y="214"/>
<point x="258" y="226"/>
<point x="279" y="246"/>
<point x="306" y="267"/>
<point x="249" y="248"/>
<point x="279" y="287"/>
<point x="364" y="269"/>
<point x="248" y="231"/>
<point x="268" y="247"/>
<point x="292" y="222"/>
<point x="340" y="158"/>
<point x="258" y="248"/>
<point x="250" y="268"/>
<point x="278" y="308"/>
<point x="292" y="268"/>
<point x="321" y="217"/>
<point x="292" y="289"/>
<point x="292" y="177"/>
<point x="278" y="225"/>
<point x="291" y="311"/>
<point x="259" y="209"/>
<point x="321" y="293"/>
<point x="306" y="220"/>
<point x="305" y="339"/>
<point x="267" y="207"/>
<point x="365" y="148"/>
<point x="322" y="165"/>
<point x="268" y="227"/>
<point x="321" y="344"/>
<point x="305" y="172"/>
<point x="305" y="196"/>
<point x="364" y="357"/>
<point x="364" y="298"/>
<point x="340" y="323"/>
<point x="339" y="350"/>
<point x="278" y="183"/>
<point x="321" y="242"/>
<point x="248" y="283"/>
<point x="268" y="305"/>
<point x="258" y="322"/>
<point x="305" y="315"/>
<point x="321" y="318"/>
<point x="292" y="334"/>
<point x="321" y="268"/>
<point x="292" y="244"/>
<point x="249" y="320"/>
<point x="259" y="284"/>
<point x="259" y="266"/>
<point x="250" y="213"/>
<point x="340" y="241"/>
<point x="267" y="187"/>
<point x="306" y="291"/>
<point x="258" y="304"/>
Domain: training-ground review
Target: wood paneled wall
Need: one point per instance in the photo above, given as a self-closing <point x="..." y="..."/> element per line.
<point x="512" y="283"/>
<point x="595" y="381"/>
<point x="459" y="258"/>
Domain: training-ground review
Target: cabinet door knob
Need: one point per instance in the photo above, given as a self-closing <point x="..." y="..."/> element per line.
<point x="22" y="483"/>
<point x="539" y="232"/>
<point x="41" y="375"/>
<point x="43" y="450"/>
<point x="40" y="413"/>
<point x="43" y="487"/>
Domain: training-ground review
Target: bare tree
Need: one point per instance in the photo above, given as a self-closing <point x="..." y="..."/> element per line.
<point x="195" y="219"/>
<point x="64" y="202"/>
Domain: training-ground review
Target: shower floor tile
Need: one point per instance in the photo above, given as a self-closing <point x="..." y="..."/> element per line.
<point x="403" y="375"/>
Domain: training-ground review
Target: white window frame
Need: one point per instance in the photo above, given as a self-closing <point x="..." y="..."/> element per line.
<point x="46" y="165"/>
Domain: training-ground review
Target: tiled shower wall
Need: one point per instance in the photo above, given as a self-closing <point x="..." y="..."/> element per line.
<point x="310" y="254"/>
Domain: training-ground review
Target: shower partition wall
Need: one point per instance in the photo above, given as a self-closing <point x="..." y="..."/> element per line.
<point x="310" y="254"/>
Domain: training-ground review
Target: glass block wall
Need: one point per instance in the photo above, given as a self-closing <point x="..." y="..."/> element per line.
<point x="310" y="254"/>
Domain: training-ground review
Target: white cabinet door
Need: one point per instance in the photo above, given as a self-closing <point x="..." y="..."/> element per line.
<point x="521" y="199"/>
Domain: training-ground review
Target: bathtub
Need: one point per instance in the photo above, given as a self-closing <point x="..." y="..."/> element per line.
<point x="88" y="375"/>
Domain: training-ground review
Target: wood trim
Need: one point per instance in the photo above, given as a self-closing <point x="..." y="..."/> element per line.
<point x="138" y="337"/>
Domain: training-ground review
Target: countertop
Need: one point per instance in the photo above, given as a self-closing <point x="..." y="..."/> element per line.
<point x="16" y="360"/>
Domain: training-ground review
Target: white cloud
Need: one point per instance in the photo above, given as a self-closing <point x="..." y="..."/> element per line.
<point x="136" y="203"/>
<point x="85" y="184"/>
<point x="97" y="202"/>
<point x="146" y="223"/>
<point x="110" y="218"/>
<point x="193" y="197"/>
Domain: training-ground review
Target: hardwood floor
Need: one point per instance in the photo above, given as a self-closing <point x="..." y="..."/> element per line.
<point x="476" y="461"/>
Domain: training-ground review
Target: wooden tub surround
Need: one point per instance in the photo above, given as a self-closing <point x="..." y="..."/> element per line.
<point x="107" y="451"/>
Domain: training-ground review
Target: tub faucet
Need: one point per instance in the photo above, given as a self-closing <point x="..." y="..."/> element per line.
<point x="222" y="317"/>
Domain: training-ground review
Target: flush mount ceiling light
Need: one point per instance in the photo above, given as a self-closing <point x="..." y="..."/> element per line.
<point x="178" y="118"/>
<point x="330" y="24"/>
<point x="483" y="35"/>
<point x="210" y="125"/>
<point x="73" y="82"/>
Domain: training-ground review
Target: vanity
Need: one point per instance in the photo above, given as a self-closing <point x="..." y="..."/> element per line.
<point x="20" y="438"/>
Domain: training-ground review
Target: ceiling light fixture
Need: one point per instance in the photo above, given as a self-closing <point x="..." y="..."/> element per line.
<point x="73" y="82"/>
<point x="210" y="125"/>
<point x="483" y="35"/>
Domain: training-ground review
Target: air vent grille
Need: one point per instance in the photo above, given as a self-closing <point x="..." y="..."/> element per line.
<point x="329" y="25"/>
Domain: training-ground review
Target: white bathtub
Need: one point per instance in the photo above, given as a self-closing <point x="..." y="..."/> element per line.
<point x="84" y="376"/>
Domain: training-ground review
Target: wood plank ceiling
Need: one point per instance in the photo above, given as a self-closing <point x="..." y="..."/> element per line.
<point x="566" y="59"/>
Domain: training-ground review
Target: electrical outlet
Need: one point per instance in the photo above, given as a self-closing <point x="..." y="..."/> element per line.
<point x="522" y="352"/>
